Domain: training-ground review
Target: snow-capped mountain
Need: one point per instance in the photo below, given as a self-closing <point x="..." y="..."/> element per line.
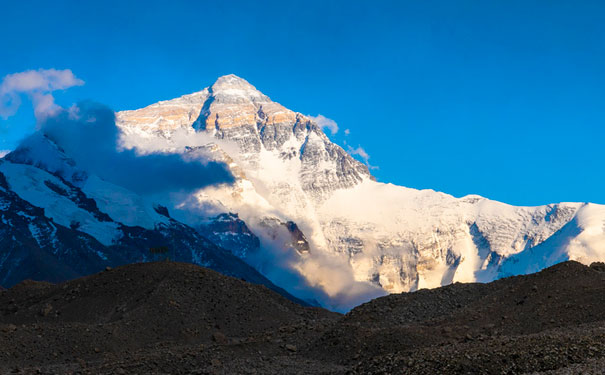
<point x="58" y="222"/>
<point x="355" y="238"/>
<point x="301" y="214"/>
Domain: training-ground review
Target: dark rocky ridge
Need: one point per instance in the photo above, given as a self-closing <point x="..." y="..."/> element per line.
<point x="137" y="310"/>
<point x="175" y="318"/>
<point x="509" y="325"/>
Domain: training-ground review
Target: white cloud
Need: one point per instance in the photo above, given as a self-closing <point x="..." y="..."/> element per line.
<point x="3" y="153"/>
<point x="38" y="85"/>
<point x="347" y="131"/>
<point x="359" y="151"/>
<point x="325" y="122"/>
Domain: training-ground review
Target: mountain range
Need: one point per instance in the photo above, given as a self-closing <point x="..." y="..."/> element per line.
<point x="298" y="214"/>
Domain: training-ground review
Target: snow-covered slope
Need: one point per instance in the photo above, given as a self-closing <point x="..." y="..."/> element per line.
<point x="58" y="222"/>
<point x="365" y="237"/>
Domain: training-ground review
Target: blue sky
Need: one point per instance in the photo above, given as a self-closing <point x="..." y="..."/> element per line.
<point x="500" y="98"/>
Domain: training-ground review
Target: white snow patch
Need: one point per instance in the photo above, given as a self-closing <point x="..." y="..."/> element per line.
<point x="122" y="205"/>
<point x="28" y="183"/>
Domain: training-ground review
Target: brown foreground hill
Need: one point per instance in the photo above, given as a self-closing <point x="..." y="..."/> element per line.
<point x="175" y="318"/>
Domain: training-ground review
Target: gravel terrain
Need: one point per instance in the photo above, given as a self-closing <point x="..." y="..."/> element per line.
<point x="176" y="318"/>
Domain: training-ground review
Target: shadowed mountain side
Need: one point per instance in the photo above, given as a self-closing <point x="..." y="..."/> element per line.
<point x="34" y="246"/>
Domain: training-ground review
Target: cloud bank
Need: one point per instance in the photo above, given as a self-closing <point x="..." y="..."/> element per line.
<point x="38" y="85"/>
<point x="87" y="133"/>
<point x="325" y="123"/>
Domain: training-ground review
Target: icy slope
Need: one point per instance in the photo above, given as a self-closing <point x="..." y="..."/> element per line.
<point x="362" y="234"/>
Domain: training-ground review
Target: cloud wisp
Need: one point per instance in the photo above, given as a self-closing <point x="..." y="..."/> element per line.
<point x="38" y="85"/>
<point x="359" y="151"/>
<point x="325" y="123"/>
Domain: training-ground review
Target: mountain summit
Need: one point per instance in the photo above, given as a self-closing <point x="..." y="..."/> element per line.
<point x="233" y="110"/>
<point x="364" y="237"/>
<point x="233" y="102"/>
<point x="232" y="87"/>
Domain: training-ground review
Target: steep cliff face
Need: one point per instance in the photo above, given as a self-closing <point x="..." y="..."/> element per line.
<point x="361" y="233"/>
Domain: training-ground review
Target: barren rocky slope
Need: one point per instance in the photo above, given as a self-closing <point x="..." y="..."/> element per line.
<point x="140" y="311"/>
<point x="177" y="318"/>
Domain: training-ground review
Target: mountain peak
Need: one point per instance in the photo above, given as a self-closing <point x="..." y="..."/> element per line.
<point x="230" y="102"/>
<point x="233" y="89"/>
<point x="234" y="102"/>
<point x="231" y="80"/>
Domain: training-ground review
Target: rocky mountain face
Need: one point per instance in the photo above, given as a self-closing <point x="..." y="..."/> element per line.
<point x="235" y="111"/>
<point x="364" y="238"/>
<point x="232" y="233"/>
